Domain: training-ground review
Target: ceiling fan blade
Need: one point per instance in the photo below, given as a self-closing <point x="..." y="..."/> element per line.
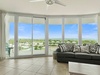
<point x="59" y="2"/>
<point x="36" y="0"/>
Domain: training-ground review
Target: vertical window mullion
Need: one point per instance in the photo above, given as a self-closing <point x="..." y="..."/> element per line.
<point x="98" y="31"/>
<point x="80" y="31"/>
<point x="46" y="37"/>
<point x="16" y="37"/>
<point x="32" y="36"/>
<point x="63" y="29"/>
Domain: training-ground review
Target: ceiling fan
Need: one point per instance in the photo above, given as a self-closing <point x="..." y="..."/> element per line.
<point x="50" y="2"/>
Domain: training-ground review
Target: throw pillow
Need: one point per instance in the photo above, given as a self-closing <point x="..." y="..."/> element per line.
<point x="93" y="48"/>
<point x="77" y="48"/>
<point x="62" y="47"/>
<point x="69" y="47"/>
<point x="84" y="49"/>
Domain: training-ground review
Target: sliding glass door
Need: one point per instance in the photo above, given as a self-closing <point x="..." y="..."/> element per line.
<point x="25" y="36"/>
<point x="31" y="36"/>
<point x="38" y="36"/>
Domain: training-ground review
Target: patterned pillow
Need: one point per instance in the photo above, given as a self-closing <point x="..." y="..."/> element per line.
<point x="62" y="47"/>
<point x="77" y="48"/>
<point x="69" y="47"/>
<point x="84" y="49"/>
<point x="93" y="48"/>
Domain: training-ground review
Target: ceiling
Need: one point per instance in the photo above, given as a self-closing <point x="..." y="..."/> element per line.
<point x="73" y="7"/>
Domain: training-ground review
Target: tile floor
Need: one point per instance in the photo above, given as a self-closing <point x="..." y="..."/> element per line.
<point x="33" y="66"/>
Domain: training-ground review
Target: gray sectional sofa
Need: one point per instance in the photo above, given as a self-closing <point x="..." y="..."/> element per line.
<point x="91" y="57"/>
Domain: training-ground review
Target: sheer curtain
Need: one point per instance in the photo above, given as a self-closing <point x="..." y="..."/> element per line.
<point x="2" y="35"/>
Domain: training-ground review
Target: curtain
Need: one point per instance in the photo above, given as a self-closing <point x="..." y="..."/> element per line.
<point x="2" y="36"/>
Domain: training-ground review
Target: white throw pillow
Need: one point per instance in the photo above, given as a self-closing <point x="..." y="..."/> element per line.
<point x="85" y="49"/>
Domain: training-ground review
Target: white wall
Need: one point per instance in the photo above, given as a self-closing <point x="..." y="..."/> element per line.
<point x="0" y="32"/>
<point x="2" y="36"/>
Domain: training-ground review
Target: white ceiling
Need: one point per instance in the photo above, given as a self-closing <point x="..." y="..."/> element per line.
<point x="74" y="7"/>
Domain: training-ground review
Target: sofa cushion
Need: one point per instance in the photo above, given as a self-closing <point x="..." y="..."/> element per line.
<point x="83" y="55"/>
<point x="95" y="56"/>
<point x="69" y="54"/>
<point x="65" y="54"/>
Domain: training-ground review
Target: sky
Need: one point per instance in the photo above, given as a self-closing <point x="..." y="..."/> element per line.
<point x="89" y="31"/>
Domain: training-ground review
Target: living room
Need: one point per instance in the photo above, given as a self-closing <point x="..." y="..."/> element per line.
<point x="49" y="37"/>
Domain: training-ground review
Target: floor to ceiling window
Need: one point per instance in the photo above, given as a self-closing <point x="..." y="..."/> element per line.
<point x="89" y="30"/>
<point x="55" y="33"/>
<point x="31" y="34"/>
<point x="38" y="36"/>
<point x="71" y="30"/>
<point x="25" y="36"/>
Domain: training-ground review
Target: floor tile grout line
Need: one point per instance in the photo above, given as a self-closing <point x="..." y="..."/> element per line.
<point x="37" y="71"/>
<point x="53" y="69"/>
<point x="30" y="71"/>
<point x="40" y="68"/>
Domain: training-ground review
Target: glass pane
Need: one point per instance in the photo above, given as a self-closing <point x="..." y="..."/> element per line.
<point x="55" y="34"/>
<point x="89" y="30"/>
<point x="71" y="30"/>
<point x="24" y="36"/>
<point x="38" y="36"/>
<point x="9" y="35"/>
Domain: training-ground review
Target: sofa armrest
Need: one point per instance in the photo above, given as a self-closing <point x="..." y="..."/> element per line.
<point x="98" y="49"/>
<point x="58" y="50"/>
